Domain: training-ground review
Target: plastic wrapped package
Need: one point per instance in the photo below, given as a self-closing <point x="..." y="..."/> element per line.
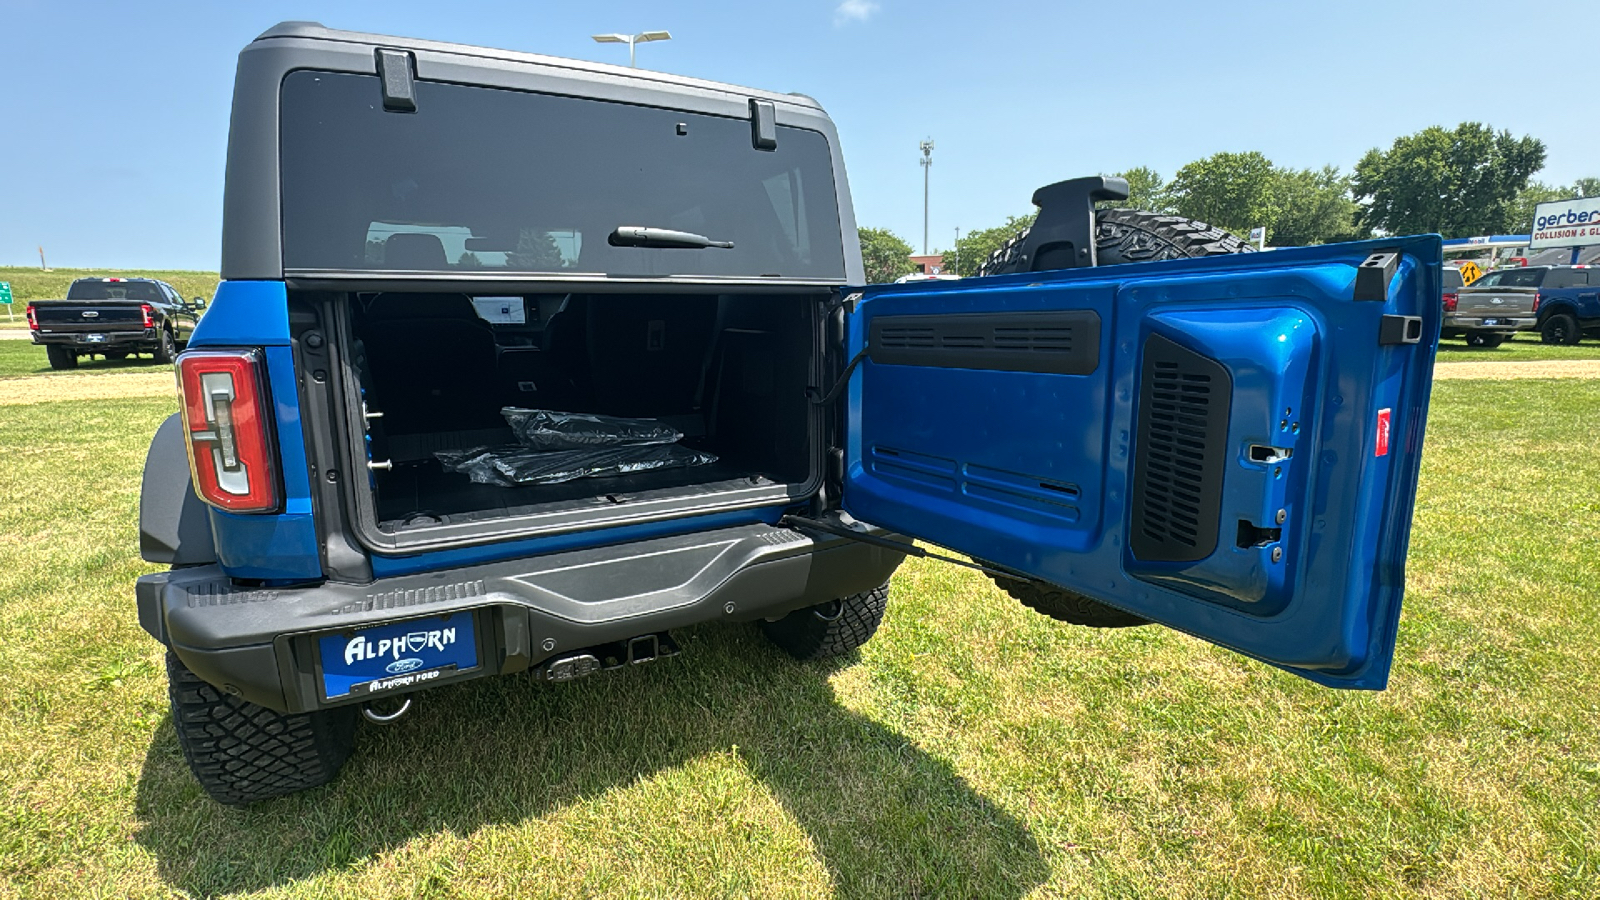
<point x="546" y="430"/>
<point x="514" y="466"/>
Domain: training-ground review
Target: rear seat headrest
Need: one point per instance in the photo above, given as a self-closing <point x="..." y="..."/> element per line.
<point x="409" y="250"/>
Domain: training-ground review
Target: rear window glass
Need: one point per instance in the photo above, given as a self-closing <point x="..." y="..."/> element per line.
<point x="1522" y="277"/>
<point x="1452" y="278"/>
<point x="1565" y="278"/>
<point x="114" y="290"/>
<point x="482" y="178"/>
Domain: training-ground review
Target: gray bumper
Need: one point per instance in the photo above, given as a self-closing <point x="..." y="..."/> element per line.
<point x="1475" y="323"/>
<point x="259" y="643"/>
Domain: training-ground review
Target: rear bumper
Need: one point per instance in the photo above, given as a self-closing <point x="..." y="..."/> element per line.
<point x="79" y="339"/>
<point x="259" y="643"/>
<point x="1504" y="324"/>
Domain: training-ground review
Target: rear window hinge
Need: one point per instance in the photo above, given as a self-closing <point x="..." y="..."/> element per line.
<point x="399" y="85"/>
<point x="838" y="529"/>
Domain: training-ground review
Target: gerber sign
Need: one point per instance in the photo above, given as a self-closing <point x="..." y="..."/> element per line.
<point x="1566" y="223"/>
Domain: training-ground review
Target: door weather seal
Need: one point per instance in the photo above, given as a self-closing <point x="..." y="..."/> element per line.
<point x="801" y="523"/>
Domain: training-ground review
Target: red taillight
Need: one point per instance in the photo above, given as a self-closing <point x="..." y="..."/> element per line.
<point x="1450" y="301"/>
<point x="1538" y="298"/>
<point x="148" y="321"/>
<point x="33" y="319"/>
<point x="226" y="422"/>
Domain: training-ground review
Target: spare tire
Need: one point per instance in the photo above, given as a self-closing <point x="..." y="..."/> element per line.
<point x="1132" y="235"/>
<point x="1121" y="236"/>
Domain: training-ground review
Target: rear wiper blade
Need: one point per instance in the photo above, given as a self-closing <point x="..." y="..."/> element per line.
<point x="639" y="236"/>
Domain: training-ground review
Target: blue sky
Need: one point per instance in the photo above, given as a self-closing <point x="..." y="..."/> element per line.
<point x="115" y="115"/>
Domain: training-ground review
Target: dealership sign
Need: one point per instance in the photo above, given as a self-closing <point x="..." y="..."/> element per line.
<point x="1566" y="223"/>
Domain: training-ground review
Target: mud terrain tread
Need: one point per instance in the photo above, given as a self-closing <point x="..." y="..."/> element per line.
<point x="1066" y="606"/>
<point x="829" y="629"/>
<point x="241" y="753"/>
<point x="1131" y="235"/>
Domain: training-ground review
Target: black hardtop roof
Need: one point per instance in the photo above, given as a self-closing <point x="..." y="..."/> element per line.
<point x="319" y="32"/>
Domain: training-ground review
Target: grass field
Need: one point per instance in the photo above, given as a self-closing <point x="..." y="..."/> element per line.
<point x="974" y="749"/>
<point x="37" y="284"/>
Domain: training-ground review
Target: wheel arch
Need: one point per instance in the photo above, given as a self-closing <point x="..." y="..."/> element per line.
<point x="174" y="525"/>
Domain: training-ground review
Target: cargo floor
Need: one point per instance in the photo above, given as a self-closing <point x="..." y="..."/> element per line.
<point x="422" y="494"/>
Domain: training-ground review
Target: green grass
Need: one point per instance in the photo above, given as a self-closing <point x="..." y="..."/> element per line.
<point x="18" y="357"/>
<point x="1525" y="346"/>
<point x="37" y="284"/>
<point x="974" y="749"/>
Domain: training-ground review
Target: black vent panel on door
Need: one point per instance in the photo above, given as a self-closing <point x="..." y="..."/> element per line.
<point x="1058" y="343"/>
<point x="1180" y="454"/>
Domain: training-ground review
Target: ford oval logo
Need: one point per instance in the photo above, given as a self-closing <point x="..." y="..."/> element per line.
<point x="90" y="314"/>
<point x="409" y="664"/>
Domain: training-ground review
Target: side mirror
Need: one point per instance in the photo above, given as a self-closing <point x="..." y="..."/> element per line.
<point x="198" y="303"/>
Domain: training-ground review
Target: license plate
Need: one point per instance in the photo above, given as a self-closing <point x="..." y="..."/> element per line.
<point x="397" y="656"/>
<point x="94" y="339"/>
<point x="1491" y="321"/>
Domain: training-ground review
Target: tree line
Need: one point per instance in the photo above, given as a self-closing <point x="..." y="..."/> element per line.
<point x="1459" y="182"/>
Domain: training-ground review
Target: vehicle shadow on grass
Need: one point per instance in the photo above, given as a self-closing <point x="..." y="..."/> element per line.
<point x="886" y="818"/>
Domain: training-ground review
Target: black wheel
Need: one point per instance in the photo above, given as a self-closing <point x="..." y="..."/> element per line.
<point x="1066" y="606"/>
<point x="115" y="355"/>
<point x="241" y="752"/>
<point x="829" y="629"/>
<point x="1560" y="328"/>
<point x="1132" y="235"/>
<point x="1488" y="340"/>
<point x="166" y="349"/>
<point x="60" y="357"/>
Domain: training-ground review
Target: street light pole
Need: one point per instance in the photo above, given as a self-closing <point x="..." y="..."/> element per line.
<point x="958" y="249"/>
<point x="927" y="163"/>
<point x="632" y="40"/>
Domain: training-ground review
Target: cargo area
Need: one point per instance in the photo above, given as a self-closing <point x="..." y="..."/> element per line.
<point x="436" y="372"/>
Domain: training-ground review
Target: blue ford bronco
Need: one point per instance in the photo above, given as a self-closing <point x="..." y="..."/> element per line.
<point x="520" y="363"/>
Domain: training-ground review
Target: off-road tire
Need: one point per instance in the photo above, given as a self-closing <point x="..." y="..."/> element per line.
<point x="1560" y="328"/>
<point x="1132" y="235"/>
<point x="829" y="629"/>
<point x="241" y="753"/>
<point x="1066" y="606"/>
<point x="166" y="348"/>
<point x="60" y="357"/>
<point x="1485" y="341"/>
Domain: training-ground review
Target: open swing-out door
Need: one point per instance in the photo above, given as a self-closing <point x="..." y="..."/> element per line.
<point x="1228" y="446"/>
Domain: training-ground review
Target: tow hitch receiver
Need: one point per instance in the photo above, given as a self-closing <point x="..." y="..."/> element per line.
<point x="615" y="655"/>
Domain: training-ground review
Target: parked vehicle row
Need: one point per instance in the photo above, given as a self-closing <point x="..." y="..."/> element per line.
<point x="1561" y="303"/>
<point x="113" y="318"/>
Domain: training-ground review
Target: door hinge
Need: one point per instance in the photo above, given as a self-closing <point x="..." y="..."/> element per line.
<point x="801" y="523"/>
<point x="399" y="87"/>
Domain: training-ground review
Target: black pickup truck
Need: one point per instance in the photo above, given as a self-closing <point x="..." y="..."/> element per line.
<point x="113" y="318"/>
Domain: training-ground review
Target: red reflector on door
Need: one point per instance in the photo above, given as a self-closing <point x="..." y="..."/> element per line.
<point x="1382" y="448"/>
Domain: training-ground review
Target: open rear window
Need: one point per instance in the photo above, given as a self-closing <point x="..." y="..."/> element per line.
<point x="489" y="179"/>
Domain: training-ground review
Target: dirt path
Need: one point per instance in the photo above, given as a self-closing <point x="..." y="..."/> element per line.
<point x="31" y="389"/>
<point x="1498" y="371"/>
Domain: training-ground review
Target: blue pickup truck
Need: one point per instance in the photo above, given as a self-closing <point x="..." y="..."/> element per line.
<point x="520" y="363"/>
<point x="1567" y="303"/>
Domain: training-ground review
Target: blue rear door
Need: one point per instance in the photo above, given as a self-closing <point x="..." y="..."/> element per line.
<point x="1228" y="446"/>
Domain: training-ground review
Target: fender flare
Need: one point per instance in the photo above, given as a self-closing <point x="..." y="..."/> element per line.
<point x="174" y="525"/>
